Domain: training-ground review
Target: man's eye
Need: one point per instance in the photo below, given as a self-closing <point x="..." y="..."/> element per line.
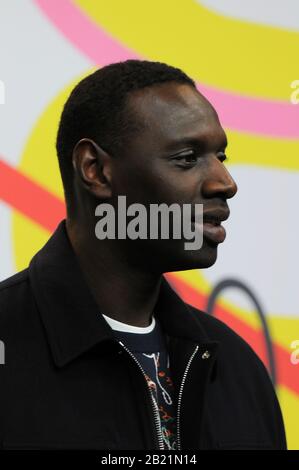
<point x="188" y="157"/>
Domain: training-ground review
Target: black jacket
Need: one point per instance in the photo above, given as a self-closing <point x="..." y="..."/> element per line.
<point x="67" y="383"/>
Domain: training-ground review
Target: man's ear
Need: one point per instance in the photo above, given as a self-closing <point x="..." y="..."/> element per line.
<point x="92" y="167"/>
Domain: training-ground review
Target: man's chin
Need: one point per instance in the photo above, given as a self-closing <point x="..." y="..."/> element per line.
<point x="203" y="261"/>
<point x="194" y="259"/>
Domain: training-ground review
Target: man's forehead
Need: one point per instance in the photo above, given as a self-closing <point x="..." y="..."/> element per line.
<point x="173" y="109"/>
<point x="181" y="99"/>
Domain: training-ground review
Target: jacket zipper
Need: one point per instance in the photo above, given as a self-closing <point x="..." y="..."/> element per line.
<point x="180" y="398"/>
<point x="153" y="401"/>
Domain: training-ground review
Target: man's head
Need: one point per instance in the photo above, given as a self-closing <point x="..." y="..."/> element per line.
<point x="141" y="129"/>
<point x="98" y="109"/>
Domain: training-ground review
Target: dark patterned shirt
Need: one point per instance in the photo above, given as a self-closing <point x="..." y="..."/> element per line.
<point x="149" y="347"/>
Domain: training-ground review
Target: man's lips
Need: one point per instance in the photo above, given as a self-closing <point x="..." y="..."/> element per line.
<point x="211" y="227"/>
<point x="215" y="233"/>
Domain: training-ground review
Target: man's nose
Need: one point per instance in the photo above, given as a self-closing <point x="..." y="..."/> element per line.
<point x="219" y="182"/>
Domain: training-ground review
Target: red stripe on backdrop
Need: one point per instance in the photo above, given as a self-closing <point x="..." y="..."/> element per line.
<point x="33" y="201"/>
<point x="286" y="373"/>
<point x="29" y="198"/>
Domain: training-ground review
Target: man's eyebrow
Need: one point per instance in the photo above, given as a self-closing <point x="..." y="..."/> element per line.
<point x="196" y="141"/>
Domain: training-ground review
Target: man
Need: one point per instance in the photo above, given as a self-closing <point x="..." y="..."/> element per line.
<point x="100" y="352"/>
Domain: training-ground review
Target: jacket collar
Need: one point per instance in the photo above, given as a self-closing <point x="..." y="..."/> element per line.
<point x="70" y="315"/>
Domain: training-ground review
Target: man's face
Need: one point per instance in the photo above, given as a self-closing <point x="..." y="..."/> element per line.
<point x="176" y="157"/>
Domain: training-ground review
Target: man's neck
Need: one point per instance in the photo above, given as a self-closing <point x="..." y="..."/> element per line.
<point x="123" y="291"/>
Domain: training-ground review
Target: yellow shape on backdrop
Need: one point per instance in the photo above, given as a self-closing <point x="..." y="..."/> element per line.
<point x="220" y="51"/>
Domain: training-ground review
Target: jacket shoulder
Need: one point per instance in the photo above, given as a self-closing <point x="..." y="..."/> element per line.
<point x="234" y="351"/>
<point x="14" y="280"/>
<point x="14" y="296"/>
<point x="236" y="354"/>
<point x="219" y="331"/>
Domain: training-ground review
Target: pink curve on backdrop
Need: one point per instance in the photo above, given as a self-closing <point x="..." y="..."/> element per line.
<point x="240" y="113"/>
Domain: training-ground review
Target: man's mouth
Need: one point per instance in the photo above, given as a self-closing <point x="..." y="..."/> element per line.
<point x="211" y="227"/>
<point x="214" y="232"/>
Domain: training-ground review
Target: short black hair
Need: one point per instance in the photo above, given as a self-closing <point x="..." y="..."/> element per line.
<point x="96" y="108"/>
